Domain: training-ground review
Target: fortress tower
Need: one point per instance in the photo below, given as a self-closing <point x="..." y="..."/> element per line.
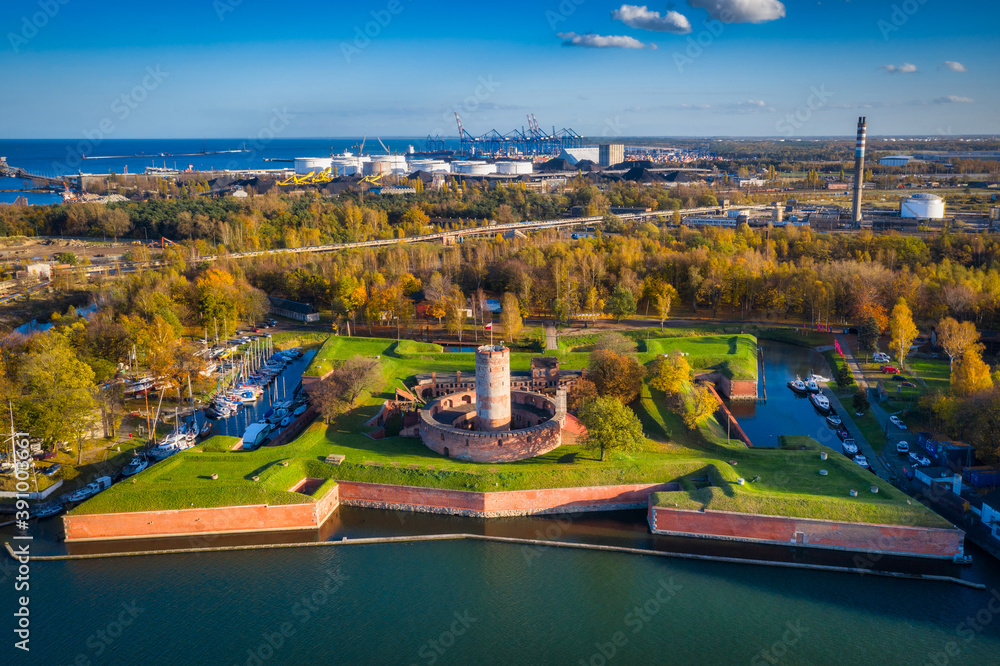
<point x="493" y="388"/>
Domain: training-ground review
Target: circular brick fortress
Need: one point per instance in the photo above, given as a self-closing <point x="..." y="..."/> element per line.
<point x="535" y="427"/>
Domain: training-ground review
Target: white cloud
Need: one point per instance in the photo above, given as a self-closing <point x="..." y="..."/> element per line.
<point x="905" y="68"/>
<point x="954" y="99"/>
<point x="593" y="41"/>
<point x="641" y="17"/>
<point x="955" y="66"/>
<point x="741" y="11"/>
<point x="744" y="107"/>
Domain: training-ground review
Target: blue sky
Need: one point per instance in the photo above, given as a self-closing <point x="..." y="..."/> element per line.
<point x="230" y="68"/>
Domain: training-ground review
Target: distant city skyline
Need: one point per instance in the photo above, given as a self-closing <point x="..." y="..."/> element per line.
<point x="397" y="68"/>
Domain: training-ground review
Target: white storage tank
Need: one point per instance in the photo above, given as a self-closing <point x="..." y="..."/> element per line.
<point x="430" y="166"/>
<point x="474" y="168"/>
<point x="922" y="207"/>
<point x="518" y="168"/>
<point x="304" y="165"/>
<point x="385" y="164"/>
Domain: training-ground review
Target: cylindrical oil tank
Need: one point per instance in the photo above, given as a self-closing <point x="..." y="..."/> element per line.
<point x="304" y="165"/>
<point x="922" y="207"/>
<point x="517" y="168"/>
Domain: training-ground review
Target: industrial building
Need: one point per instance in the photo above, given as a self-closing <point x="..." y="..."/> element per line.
<point x="896" y="160"/>
<point x="611" y="153"/>
<point x="922" y="206"/>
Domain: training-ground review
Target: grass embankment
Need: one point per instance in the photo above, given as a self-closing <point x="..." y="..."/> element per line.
<point x="787" y="482"/>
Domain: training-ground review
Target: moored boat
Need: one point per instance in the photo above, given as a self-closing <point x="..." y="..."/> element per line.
<point x="850" y="448"/>
<point x="820" y="402"/>
<point x="797" y="385"/>
<point x="41" y="511"/>
<point x="134" y="466"/>
<point x="812" y="386"/>
<point x="834" y="421"/>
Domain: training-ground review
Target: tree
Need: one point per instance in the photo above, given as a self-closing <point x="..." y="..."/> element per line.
<point x="115" y="222"/>
<point x="329" y="399"/>
<point x="860" y="401"/>
<point x="902" y="329"/>
<point x="956" y="337"/>
<point x="971" y="375"/>
<point x="868" y="336"/>
<point x="510" y="316"/>
<point x="355" y="376"/>
<point x="455" y="310"/>
<point x="621" y="303"/>
<point x="58" y="392"/>
<point x="611" y="426"/>
<point x="582" y="392"/>
<point x="699" y="405"/>
<point x="615" y="375"/>
<point x="663" y="300"/>
<point x="844" y="376"/>
<point x="615" y="342"/>
<point x="671" y="374"/>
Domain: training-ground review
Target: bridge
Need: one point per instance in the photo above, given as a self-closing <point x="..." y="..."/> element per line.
<point x="7" y="171"/>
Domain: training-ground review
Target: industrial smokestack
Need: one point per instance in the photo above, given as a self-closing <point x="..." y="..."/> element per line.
<point x="859" y="169"/>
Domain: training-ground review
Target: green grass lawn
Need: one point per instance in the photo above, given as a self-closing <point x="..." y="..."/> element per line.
<point x="932" y="374"/>
<point x="785" y="482"/>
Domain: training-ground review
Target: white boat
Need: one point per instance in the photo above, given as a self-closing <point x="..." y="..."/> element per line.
<point x="820" y="402"/>
<point x="285" y="421"/>
<point x="834" y="420"/>
<point x="850" y="448"/>
<point x="797" y="385"/>
<point x="812" y="386"/>
<point x="861" y="460"/>
<point x="300" y="410"/>
<point x="90" y="489"/>
<point x="136" y="465"/>
<point x="255" y="435"/>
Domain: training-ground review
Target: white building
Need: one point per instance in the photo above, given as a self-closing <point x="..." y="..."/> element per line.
<point x="576" y="155"/>
<point x="896" y="160"/>
<point x="41" y="271"/>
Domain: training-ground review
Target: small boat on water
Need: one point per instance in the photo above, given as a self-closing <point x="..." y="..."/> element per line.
<point x="843" y="434"/>
<point x="820" y="402"/>
<point x="285" y="421"/>
<point x="136" y="465"/>
<point x="206" y="429"/>
<point x="797" y="385"/>
<point x="299" y="411"/>
<point x="850" y="448"/>
<point x="812" y="386"/>
<point x="41" y="511"/>
<point x="834" y="421"/>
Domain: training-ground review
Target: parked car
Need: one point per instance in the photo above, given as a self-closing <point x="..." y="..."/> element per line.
<point x="896" y="421"/>
<point x="880" y="357"/>
<point x="44" y="455"/>
<point x="902" y="448"/>
<point x="919" y="460"/>
<point x="909" y="385"/>
<point x="889" y="370"/>
<point x="51" y="469"/>
<point x="900" y="378"/>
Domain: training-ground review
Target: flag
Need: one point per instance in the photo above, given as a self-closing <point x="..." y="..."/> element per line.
<point x="489" y="326"/>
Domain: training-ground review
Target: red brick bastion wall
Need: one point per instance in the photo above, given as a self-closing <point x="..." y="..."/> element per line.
<point x="187" y="522"/>
<point x="808" y="532"/>
<point x="498" y="504"/>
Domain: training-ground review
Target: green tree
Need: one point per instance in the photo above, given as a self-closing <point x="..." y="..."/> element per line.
<point x="621" y="303"/>
<point x="902" y="329"/>
<point x="58" y="392"/>
<point x="868" y="336"/>
<point x="611" y="426"/>
<point x="860" y="401"/>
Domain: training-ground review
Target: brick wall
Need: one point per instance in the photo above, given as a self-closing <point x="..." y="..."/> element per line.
<point x="858" y="537"/>
<point x="184" y="522"/>
<point x="497" y="504"/>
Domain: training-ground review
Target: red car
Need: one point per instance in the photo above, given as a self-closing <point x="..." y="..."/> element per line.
<point x="890" y="370"/>
<point x="44" y="455"/>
